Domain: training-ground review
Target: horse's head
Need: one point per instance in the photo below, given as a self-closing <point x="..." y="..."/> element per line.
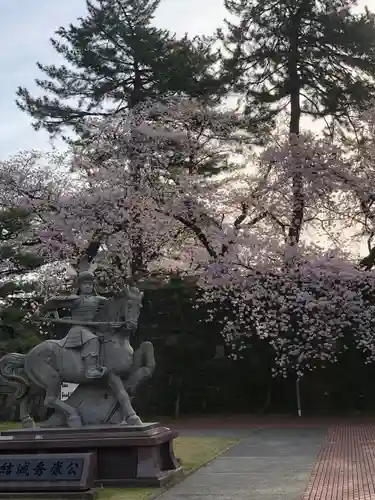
<point x="131" y="303"/>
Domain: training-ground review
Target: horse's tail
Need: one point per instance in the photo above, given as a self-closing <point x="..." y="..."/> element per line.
<point x="12" y="375"/>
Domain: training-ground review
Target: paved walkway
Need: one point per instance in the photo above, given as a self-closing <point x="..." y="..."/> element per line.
<point x="334" y="463"/>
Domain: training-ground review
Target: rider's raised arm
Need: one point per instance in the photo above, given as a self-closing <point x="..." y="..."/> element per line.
<point x="63" y="302"/>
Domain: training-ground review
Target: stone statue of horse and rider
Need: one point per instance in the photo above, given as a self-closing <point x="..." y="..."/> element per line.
<point x="96" y="354"/>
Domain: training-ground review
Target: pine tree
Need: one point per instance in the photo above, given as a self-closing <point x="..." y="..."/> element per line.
<point x="312" y="57"/>
<point x="14" y="260"/>
<point x="115" y="59"/>
<point x="17" y="334"/>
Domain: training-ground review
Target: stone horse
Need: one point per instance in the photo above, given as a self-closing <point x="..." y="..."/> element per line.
<point x="49" y="364"/>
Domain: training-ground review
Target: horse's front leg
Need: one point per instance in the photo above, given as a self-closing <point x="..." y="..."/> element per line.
<point x="27" y="420"/>
<point x="128" y="414"/>
<point x="24" y="406"/>
<point x="143" y="366"/>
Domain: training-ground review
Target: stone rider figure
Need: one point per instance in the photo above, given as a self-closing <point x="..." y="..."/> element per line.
<point x="84" y="308"/>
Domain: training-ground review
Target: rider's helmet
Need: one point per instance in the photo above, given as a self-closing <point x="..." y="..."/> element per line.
<point x="84" y="277"/>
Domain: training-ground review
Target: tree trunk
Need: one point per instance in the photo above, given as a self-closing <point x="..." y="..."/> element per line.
<point x="135" y="234"/>
<point x="137" y="264"/>
<point x="298" y="203"/>
<point x="298" y="397"/>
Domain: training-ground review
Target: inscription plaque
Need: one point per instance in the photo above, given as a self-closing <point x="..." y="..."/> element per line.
<point x="41" y="469"/>
<point x="47" y="472"/>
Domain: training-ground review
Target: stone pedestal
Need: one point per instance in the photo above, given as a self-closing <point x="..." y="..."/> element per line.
<point x="124" y="456"/>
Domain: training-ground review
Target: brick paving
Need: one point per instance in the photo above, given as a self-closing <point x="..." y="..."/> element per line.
<point x="345" y="467"/>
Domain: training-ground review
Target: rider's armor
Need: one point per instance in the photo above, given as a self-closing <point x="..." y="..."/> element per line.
<point x="84" y="309"/>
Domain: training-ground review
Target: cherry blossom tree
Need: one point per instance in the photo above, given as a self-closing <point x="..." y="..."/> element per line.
<point x="148" y="173"/>
<point x="357" y="208"/>
<point x="304" y="312"/>
<point x="145" y="174"/>
<point x="302" y="299"/>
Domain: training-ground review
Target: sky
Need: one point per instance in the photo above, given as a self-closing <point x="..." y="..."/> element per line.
<point x="25" y="29"/>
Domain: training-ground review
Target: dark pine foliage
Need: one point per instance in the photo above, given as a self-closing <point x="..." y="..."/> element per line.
<point x="306" y="56"/>
<point x="17" y="333"/>
<point x="115" y="59"/>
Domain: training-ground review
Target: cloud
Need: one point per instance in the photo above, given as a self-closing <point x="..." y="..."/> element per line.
<point x="192" y="16"/>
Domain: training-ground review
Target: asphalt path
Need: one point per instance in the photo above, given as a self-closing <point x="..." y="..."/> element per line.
<point x="267" y="464"/>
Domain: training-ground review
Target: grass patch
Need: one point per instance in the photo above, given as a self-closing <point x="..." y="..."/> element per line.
<point x="197" y="451"/>
<point x="126" y="494"/>
<point x="194" y="452"/>
<point x="4" y="426"/>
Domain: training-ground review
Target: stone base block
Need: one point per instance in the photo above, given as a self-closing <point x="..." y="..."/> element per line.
<point x="125" y="456"/>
